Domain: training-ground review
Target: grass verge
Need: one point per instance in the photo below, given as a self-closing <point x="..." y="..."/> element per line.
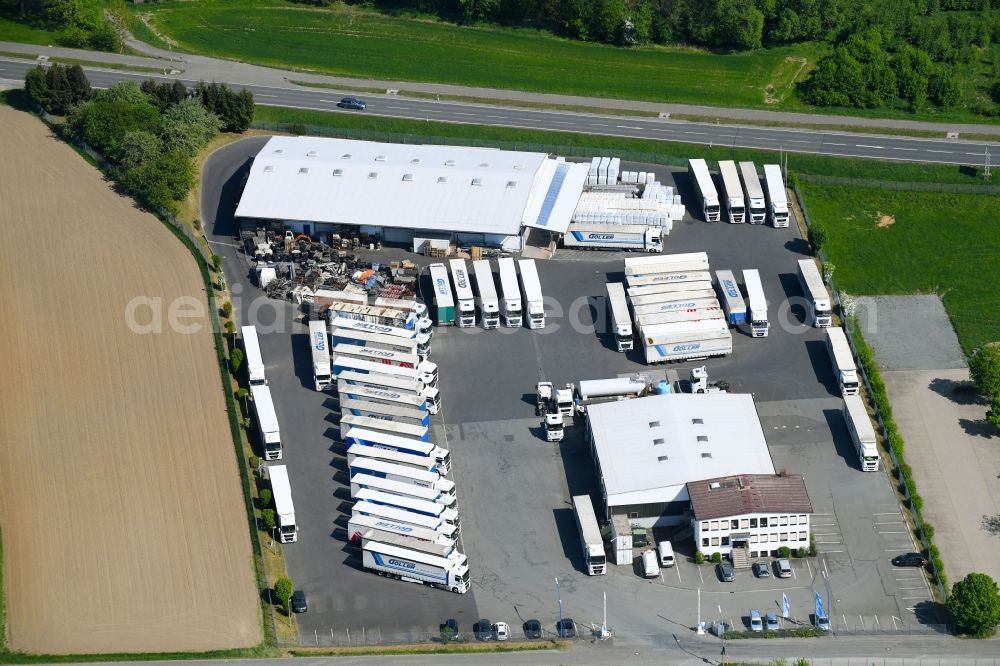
<point x="668" y="153"/>
<point x="434" y="648"/>
<point x="850" y="129"/>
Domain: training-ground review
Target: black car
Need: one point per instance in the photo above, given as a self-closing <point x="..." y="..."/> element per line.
<point x="352" y="103"/>
<point x="532" y="629"/>
<point x="909" y="560"/>
<point x="484" y="629"/>
<point x="449" y="630"/>
<point x="566" y="628"/>
<point x="299" y="604"/>
<point x="760" y="570"/>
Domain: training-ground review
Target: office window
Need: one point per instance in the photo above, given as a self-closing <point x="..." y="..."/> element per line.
<point x="633" y="514"/>
<point x="734" y="524"/>
<point x="793" y="520"/>
<point x="744" y="523"/>
<point x="704" y="542"/>
<point x="784" y="521"/>
<point x="725" y="541"/>
<point x="784" y="536"/>
<point x="753" y="522"/>
<point x="803" y="520"/>
<point x="715" y="541"/>
<point x="753" y="538"/>
<point x="704" y="526"/>
<point x="774" y="537"/>
<point x="803" y="536"/>
<point x="715" y="525"/>
<point x="763" y="522"/>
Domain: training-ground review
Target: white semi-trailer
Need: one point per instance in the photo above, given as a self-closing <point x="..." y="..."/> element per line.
<point x="660" y="279"/>
<point x="532" y="292"/>
<point x="686" y="341"/>
<point x="418" y="309"/>
<point x="420" y="463"/>
<point x="704" y="281"/>
<point x="411" y="504"/>
<point x="437" y="549"/>
<point x="398" y="413"/>
<point x="387" y="397"/>
<point x="360" y="481"/>
<point x="373" y="315"/>
<point x="704" y="189"/>
<point x="730" y="298"/>
<point x="757" y="304"/>
<point x="381" y="423"/>
<point x="444" y="301"/>
<point x="267" y="422"/>
<point x="322" y="378"/>
<point x="510" y="310"/>
<point x="590" y="536"/>
<point x="816" y="294"/>
<point x="637" y="237"/>
<point x="777" y="199"/>
<point x="427" y="370"/>
<point x="619" y="316"/>
<point x="402" y="385"/>
<point x="383" y="440"/>
<point x="403" y="474"/>
<point x="673" y="306"/>
<point x="402" y="516"/>
<point x="415" y="567"/>
<point x="341" y="336"/>
<point x="284" y="509"/>
<point x="735" y="205"/>
<point x="426" y="376"/>
<point x="489" y="304"/>
<point x="755" y="195"/>
<point x="466" y="301"/>
<point x="639" y="302"/>
<point x="859" y="424"/>
<point x="359" y="524"/>
<point x="844" y="370"/>
<point x="667" y="263"/>
<point x="255" y="363"/>
<point x="423" y="340"/>
<point x="690" y="314"/>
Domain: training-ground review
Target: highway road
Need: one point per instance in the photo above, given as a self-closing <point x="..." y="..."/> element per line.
<point x="865" y="146"/>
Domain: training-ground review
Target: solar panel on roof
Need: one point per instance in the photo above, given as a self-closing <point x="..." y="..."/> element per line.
<point x="552" y="195"/>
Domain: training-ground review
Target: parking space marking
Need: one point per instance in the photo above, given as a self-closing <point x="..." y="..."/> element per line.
<point x="678" y="570"/>
<point x="701" y="576"/>
<point x="809" y="566"/>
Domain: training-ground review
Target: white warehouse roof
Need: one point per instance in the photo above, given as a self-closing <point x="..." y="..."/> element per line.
<point x="442" y="188"/>
<point x="649" y="448"/>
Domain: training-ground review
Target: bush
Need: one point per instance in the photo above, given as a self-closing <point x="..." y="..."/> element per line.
<point x="254" y="463"/>
<point x="216" y="262"/>
<point x="229" y="327"/>
<point x="227" y="309"/>
<point x="236" y="358"/>
<point x="927" y="530"/>
<point x="817" y="237"/>
<point x="905" y="471"/>
<point x="242" y="393"/>
<point x="267" y="516"/>
<point x="283" y="590"/>
<point x="801" y="552"/>
<point x="717" y="558"/>
<point x="265" y="498"/>
<point x="813" y="548"/>
<point x="784" y="552"/>
<point x="916" y="501"/>
<point x="699" y="557"/>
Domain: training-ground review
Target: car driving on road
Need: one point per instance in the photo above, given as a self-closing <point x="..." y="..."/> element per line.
<point x="352" y="103"/>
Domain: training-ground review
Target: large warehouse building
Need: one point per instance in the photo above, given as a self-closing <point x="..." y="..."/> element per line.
<point x="648" y="449"/>
<point x="403" y="193"/>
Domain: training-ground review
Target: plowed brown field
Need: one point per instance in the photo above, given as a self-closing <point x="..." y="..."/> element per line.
<point x="124" y="528"/>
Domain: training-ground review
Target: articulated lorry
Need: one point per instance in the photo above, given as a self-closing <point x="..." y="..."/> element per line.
<point x="284" y="509"/>
<point x="340" y="327"/>
<point x="358" y="525"/>
<point x="757" y="304"/>
<point x="322" y="377"/>
<point x="406" y="517"/>
<point x="590" y="536"/>
<point x="489" y="304"/>
<point x="704" y="189"/>
<point x="360" y="481"/>
<point x="619" y="316"/>
<point x="632" y="237"/>
<point x="510" y="303"/>
<point x="402" y="385"/>
<point x="667" y="306"/>
<point x="416" y="447"/>
<point x="755" y="195"/>
<point x="532" y="292"/>
<point x="444" y="301"/>
<point x="735" y="204"/>
<point x="730" y="298"/>
<point x="373" y="315"/>
<point x="397" y="412"/>
<point x="254" y="361"/>
<point x="427" y="370"/>
<point x="844" y="370"/>
<point x="426" y="374"/>
<point x="267" y="422"/>
<point x="415" y="567"/>
<point x="411" y="504"/>
<point x="817" y="296"/>
<point x="382" y="424"/>
<point x="859" y="424"/>
<point x="685" y="341"/>
<point x="777" y="199"/>
<point x="403" y="474"/>
<point x="418" y="310"/>
<point x="466" y="316"/>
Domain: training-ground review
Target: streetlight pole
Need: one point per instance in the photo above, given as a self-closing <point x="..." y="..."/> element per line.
<point x="559" y="599"/>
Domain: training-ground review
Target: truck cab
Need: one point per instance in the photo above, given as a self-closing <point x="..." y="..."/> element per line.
<point x="554" y="427"/>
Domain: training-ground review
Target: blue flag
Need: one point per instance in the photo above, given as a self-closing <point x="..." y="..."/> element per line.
<point x="819" y="606"/>
<point x="785" y="606"/>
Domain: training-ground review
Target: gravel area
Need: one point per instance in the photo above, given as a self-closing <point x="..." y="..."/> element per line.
<point x="910" y="332"/>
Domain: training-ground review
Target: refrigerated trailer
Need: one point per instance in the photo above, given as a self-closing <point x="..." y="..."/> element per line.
<point x="646" y="300"/>
<point x="359" y="524"/>
<point x="284" y="509"/>
<point x="735" y="205"/>
<point x="411" y="504"/>
<point x="427" y="370"/>
<point x="590" y="536"/>
<point x="844" y="370"/>
<point x="619" y="316"/>
<point x="444" y="302"/>
<point x="816" y="294"/>
<point x="730" y="298"/>
<point x="413" y="387"/>
<point x="466" y="302"/>
<point x="346" y="336"/>
<point x="686" y="341"/>
<point x="402" y="473"/>
<point x="322" y="379"/>
<point x="255" y="363"/>
<point x="406" y="517"/>
<point x="383" y="440"/>
<point x="489" y="305"/>
<point x="423" y="340"/>
<point x="382" y="424"/>
<point x="704" y="281"/>
<point x="397" y="413"/>
<point x="588" y="236"/>
<point x="663" y="307"/>
<point x="704" y="189"/>
<point x="510" y="306"/>
<point x="532" y="292"/>
<point x="267" y="422"/>
<point x="756" y="303"/>
<point x="777" y="199"/>
<point x="445" y="550"/>
<point x="859" y="424"/>
<point x="690" y="314"/>
<point x="384" y="396"/>
<point x="360" y="481"/>
<point x="352" y="364"/>
<point x="755" y="195"/>
<point x="632" y="263"/>
<point x="415" y="567"/>
<point x="420" y="463"/>
<point x="418" y="310"/>
<point x="660" y="279"/>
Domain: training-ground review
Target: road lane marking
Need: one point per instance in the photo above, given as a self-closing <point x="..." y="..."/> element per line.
<point x="263" y="95"/>
<point x="894" y="148"/>
<point x="946" y="152"/>
<point x="701" y="133"/>
<point x="862" y="145"/>
<point x="831" y="143"/>
<point x="628" y="127"/>
<point x="798" y="141"/>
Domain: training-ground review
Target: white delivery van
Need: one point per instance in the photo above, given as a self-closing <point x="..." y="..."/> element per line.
<point x="650" y="569"/>
<point x="666" y="553"/>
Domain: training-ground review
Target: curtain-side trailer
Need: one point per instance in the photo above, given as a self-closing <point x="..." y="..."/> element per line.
<point x="415" y="567"/>
<point x="419" y="310"/>
<point x="735" y="205"/>
<point x="466" y="316"/>
<point x="670" y="297"/>
<point x="281" y="491"/>
<point x="730" y="298"/>
<point x="619" y="316"/>
<point x="444" y="302"/>
<point x="704" y="188"/>
<point x="359" y="524"/>
<point x="320" y="349"/>
<point x="411" y="504"/>
<point x="589" y="236"/>
<point x="859" y="424"/>
<point x="372" y="315"/>
<point x="511" y="309"/>
<point x="489" y="305"/>
<point x="435" y="548"/>
<point x="381" y="423"/>
<point x="662" y="307"/>
<point x="672" y="258"/>
<point x="844" y="370"/>
<point x="815" y="293"/>
<point x="690" y="314"/>
<point x="755" y="195"/>
<point x="267" y="422"/>
<point x="590" y="536"/>
<point x="397" y="412"/>
<point x="360" y="481"/>
<point x="413" y="387"/>
<point x="532" y="292"/>
<point x="757" y="304"/>
<point x="254" y="361"/>
<point x="776" y="197"/>
<point x="402" y="473"/>
<point x="384" y="440"/>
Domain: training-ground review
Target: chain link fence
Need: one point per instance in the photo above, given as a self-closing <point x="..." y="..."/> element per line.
<point x="895" y="186"/>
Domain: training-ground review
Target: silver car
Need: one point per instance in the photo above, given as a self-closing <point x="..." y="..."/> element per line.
<point x="784" y="568"/>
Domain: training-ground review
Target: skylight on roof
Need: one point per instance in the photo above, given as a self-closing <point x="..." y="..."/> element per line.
<point x="407" y="177"/>
<point x="372" y="175"/>
<point x="477" y="182"/>
<point x="268" y="169"/>
<point x="338" y="172"/>
<point x="380" y="158"/>
<point x="654" y="424"/>
<point x="658" y="440"/>
<point x="303" y="170"/>
<point x="702" y="438"/>
<point x="345" y="156"/>
<point x="449" y="162"/>
<point x="661" y="458"/>
<point x="511" y="184"/>
<point x="311" y="153"/>
<point x="442" y="179"/>
<point x="279" y="151"/>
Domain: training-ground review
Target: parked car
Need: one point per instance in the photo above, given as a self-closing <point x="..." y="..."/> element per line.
<point x="783" y="568"/>
<point x="726" y="573"/>
<point x="909" y="560"/>
<point x="501" y="631"/>
<point x="299" y="604"/>
<point x="352" y="103"/>
<point x="755" y="623"/>
<point x="484" y="629"/>
<point x="566" y="628"/>
<point x="532" y="629"/>
<point x="771" y="621"/>
<point x="823" y="623"/>
<point x="449" y="630"/>
<point x="760" y="569"/>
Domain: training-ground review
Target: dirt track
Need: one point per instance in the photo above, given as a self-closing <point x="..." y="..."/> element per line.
<point x="122" y="517"/>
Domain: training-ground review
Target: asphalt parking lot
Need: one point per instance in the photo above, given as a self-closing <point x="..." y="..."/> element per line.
<point x="514" y="488"/>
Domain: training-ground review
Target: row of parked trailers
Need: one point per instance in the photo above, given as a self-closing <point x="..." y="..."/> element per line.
<point x="459" y="300"/>
<point x="744" y="198"/>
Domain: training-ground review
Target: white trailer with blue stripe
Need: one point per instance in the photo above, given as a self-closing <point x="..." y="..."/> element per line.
<point x="405" y="541"/>
<point x="423" y="340"/>
<point x="365" y="366"/>
<point x="359" y="525"/>
<point x="668" y="277"/>
<point x="322" y="379"/>
<point x="674" y="306"/>
<point x="411" y="504"/>
<point x="406" y="517"/>
<point x="393" y="385"/>
<point x="403" y="473"/>
<point x="382" y="396"/>
<point x="689" y="340"/>
<point x="357" y="452"/>
<point x="668" y="287"/>
<point x="415" y="567"/>
<point x="613" y="237"/>
<point x="427" y="369"/>
<point x="400" y="413"/>
<point x="382" y="423"/>
<point x="731" y="298"/>
<point x="361" y="481"/>
<point x="346" y="336"/>
<point x="414" y="447"/>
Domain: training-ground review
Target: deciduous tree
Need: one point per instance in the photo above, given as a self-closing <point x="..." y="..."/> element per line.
<point x="974" y="604"/>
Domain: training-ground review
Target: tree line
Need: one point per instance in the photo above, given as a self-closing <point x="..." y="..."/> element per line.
<point x="81" y="23"/>
<point x="150" y="133"/>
